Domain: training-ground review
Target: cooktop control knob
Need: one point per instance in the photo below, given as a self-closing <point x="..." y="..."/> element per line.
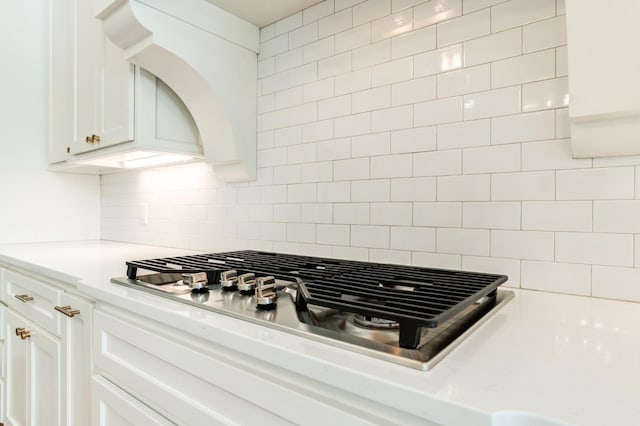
<point x="197" y="282"/>
<point x="229" y="280"/>
<point x="266" y="296"/>
<point x="247" y="283"/>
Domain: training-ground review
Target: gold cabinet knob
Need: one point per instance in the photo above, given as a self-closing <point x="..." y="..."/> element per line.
<point x="23" y="333"/>
<point x="88" y="139"/>
<point x="95" y="138"/>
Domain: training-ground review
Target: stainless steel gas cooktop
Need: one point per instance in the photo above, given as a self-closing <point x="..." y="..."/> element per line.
<point x="408" y="315"/>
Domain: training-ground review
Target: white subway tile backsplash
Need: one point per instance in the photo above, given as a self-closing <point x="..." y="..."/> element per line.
<point x="413" y="42"/>
<point x="371" y="54"/>
<point x="556" y="277"/>
<point x="469" y="6"/>
<point x="440" y="60"/>
<point x="356" y="37"/>
<point x="289" y="23"/>
<point x="335" y="23"/>
<point x="524" y="69"/>
<point x="528" y="245"/>
<point x="592" y="248"/>
<point x="432" y="12"/>
<point x="545" y="94"/>
<point x="557" y="216"/>
<point x="436" y="260"/>
<point x="318" y="50"/>
<point x="334" y="149"/>
<point x="464" y="28"/>
<point x="317" y="131"/>
<point x="274" y="46"/>
<point x="369" y="100"/>
<point x="438" y="163"/>
<point x="304" y="35"/>
<point x="392" y="119"/>
<point x="413" y="189"/>
<point x="491" y="215"/>
<point x="301" y="193"/>
<point x="317" y="172"/>
<point x="376" y="190"/>
<point x="615" y="283"/>
<point x="353" y="81"/>
<point x="466" y="80"/>
<point x="286" y="213"/>
<point x="550" y="155"/>
<point x="392" y="72"/>
<point x="413" y="91"/>
<point x="334" y="107"/>
<point x="370" y="145"/>
<point x="370" y="236"/>
<point x="437" y="112"/>
<point x="334" y="65"/>
<point x="391" y="214"/>
<point x="595" y="184"/>
<point x="491" y="159"/>
<point x="413" y="140"/>
<point x="333" y="234"/>
<point x="352" y="169"/>
<point x="391" y="166"/>
<point x="301" y="232"/>
<point x="544" y="34"/>
<point x="534" y="126"/>
<point x="390" y="256"/>
<point x="519" y="12"/>
<point x="351" y="125"/>
<point x="616" y="216"/>
<point x="413" y="239"/>
<point x="354" y="98"/>
<point x="492" y="103"/>
<point x="441" y="215"/>
<point x="464" y="134"/>
<point x="562" y="62"/>
<point x="370" y="10"/>
<point x="317" y="11"/>
<point x="464" y="188"/>
<point x="351" y="213"/>
<point x="316" y="213"/>
<point x="493" y="47"/>
<point x="463" y="241"/>
<point x="392" y="25"/>
<point x="493" y="265"/>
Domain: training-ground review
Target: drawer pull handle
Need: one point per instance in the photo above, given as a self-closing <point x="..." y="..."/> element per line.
<point x="23" y="333"/>
<point x="24" y="298"/>
<point x="67" y="310"/>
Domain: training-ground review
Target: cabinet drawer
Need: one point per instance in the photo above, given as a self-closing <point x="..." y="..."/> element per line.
<point x="33" y="299"/>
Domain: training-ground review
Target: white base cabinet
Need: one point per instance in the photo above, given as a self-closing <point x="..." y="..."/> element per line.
<point x="190" y="381"/>
<point x="46" y="353"/>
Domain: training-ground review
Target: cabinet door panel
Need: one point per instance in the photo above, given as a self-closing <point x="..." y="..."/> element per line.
<point x="16" y="383"/>
<point x="43" y="373"/>
<point x="114" y="407"/>
<point x="76" y="362"/>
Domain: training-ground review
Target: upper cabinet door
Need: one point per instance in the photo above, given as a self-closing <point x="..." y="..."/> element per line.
<point x="104" y="86"/>
<point x="92" y="85"/>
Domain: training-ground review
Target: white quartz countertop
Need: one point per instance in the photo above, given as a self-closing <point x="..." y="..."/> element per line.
<point x="569" y="358"/>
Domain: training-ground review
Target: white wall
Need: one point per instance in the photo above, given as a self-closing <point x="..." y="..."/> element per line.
<point x="431" y="133"/>
<point x="35" y="205"/>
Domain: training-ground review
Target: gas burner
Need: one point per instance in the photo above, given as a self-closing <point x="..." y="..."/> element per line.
<point x="406" y="314"/>
<point x="375" y="322"/>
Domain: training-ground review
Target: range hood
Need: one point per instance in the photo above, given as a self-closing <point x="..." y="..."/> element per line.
<point x="209" y="58"/>
<point x="603" y="77"/>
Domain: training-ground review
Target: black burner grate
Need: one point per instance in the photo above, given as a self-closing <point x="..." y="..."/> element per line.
<point x="414" y="297"/>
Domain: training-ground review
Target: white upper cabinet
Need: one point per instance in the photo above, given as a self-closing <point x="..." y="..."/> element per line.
<point x="107" y="114"/>
<point x="603" y="77"/>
